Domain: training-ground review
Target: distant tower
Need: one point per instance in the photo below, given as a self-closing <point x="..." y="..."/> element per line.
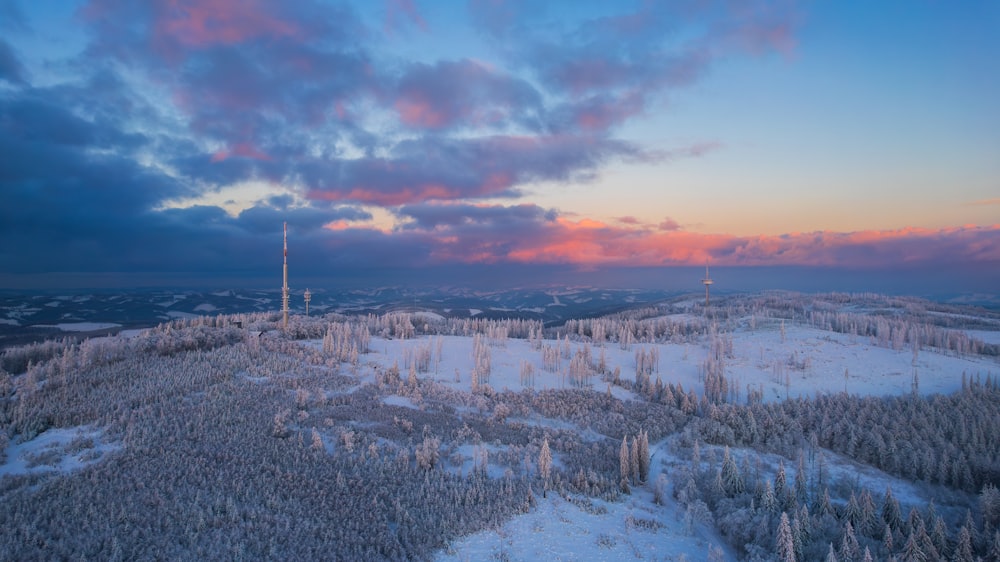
<point x="284" y="287"/>
<point x="308" y="296"/>
<point x="707" y="282"/>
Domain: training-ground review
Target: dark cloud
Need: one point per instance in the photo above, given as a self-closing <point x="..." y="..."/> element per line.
<point x="430" y="216"/>
<point x="11" y="69"/>
<point x="11" y="17"/>
<point x="446" y="168"/>
<point x="466" y="93"/>
<point x="253" y="74"/>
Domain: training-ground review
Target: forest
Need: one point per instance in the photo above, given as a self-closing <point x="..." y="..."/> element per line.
<point x="231" y="437"/>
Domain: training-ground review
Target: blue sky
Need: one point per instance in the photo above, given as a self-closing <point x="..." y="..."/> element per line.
<point x="174" y="137"/>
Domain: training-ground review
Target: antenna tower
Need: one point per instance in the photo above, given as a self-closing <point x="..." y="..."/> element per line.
<point x="308" y="297"/>
<point x="707" y="282"/>
<point x="284" y="287"/>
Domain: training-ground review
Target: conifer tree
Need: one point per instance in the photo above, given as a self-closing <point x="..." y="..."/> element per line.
<point x="545" y="460"/>
<point x="625" y="460"/>
<point x="963" y="550"/>
<point x="731" y="479"/>
<point x="644" y="456"/>
<point x="785" y="543"/>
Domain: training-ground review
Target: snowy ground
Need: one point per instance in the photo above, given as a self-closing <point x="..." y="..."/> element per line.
<point x="60" y="450"/>
<point x="565" y="529"/>
<point x="790" y="362"/>
<point x="575" y="528"/>
<point x="761" y="358"/>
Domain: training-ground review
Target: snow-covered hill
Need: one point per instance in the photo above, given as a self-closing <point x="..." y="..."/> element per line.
<point x="420" y="435"/>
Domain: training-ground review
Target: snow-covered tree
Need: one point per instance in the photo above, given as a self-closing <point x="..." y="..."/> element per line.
<point x="784" y="543"/>
<point x="545" y="460"/>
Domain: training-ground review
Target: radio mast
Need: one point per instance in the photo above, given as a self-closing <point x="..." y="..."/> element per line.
<point x="707" y="282"/>
<point x="284" y="287"/>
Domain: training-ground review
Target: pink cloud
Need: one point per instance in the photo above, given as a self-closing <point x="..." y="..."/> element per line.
<point x="984" y="202"/>
<point x="669" y="224"/>
<point x="245" y="150"/>
<point x="203" y="23"/>
<point x="402" y="9"/>
<point x="588" y="243"/>
<point x="418" y="112"/>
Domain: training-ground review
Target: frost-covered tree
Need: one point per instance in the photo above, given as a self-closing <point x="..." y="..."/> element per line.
<point x="545" y="460"/>
<point x="732" y="481"/>
<point x="643" y="456"/>
<point x="317" y="441"/>
<point x="784" y="543"/>
<point x="624" y="460"/>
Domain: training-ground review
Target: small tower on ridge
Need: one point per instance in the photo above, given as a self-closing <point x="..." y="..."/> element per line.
<point x="707" y="282"/>
<point x="308" y="297"/>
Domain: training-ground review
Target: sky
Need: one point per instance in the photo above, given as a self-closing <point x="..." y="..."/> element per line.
<point x="516" y="142"/>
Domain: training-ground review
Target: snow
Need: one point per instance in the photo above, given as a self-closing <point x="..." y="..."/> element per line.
<point x="985" y="336"/>
<point x="205" y="307"/>
<point x="176" y="314"/>
<point x="58" y="450"/>
<point x="9" y="322"/>
<point x="395" y="400"/>
<point x="79" y="326"/>
<point x="872" y="370"/>
<point x="579" y="528"/>
<point x="474" y="311"/>
<point x="576" y="528"/>
<point x="428" y="316"/>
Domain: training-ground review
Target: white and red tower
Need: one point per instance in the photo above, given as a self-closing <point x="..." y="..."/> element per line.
<point x="284" y="287"/>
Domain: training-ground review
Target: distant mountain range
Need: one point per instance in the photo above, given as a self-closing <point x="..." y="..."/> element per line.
<point x="26" y="318"/>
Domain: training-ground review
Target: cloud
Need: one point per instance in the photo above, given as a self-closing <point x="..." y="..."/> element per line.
<point x="442" y="168"/>
<point x="984" y="202"/>
<point x="531" y="235"/>
<point x="611" y="68"/>
<point x="398" y="12"/>
<point x="12" y="18"/>
<point x="669" y="224"/>
<point x="302" y="97"/>
<point x="11" y="69"/>
<point x="465" y="93"/>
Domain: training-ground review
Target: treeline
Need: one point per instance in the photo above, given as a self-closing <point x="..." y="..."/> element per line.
<point x="951" y="440"/>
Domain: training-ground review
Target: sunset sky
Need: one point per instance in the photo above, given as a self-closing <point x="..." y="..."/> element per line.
<point x="160" y="141"/>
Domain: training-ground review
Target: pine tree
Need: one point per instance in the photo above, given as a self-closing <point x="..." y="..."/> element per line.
<point x="887" y="541"/>
<point x="963" y="550"/>
<point x="643" y="456"/>
<point x="767" y="500"/>
<point x="634" y="460"/>
<point x="624" y="460"/>
<point x="850" y="550"/>
<point x="545" y="460"/>
<point x="781" y="492"/>
<point x="891" y="513"/>
<point x="912" y="551"/>
<point x="785" y="543"/>
<point x="994" y="553"/>
<point x="731" y="479"/>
